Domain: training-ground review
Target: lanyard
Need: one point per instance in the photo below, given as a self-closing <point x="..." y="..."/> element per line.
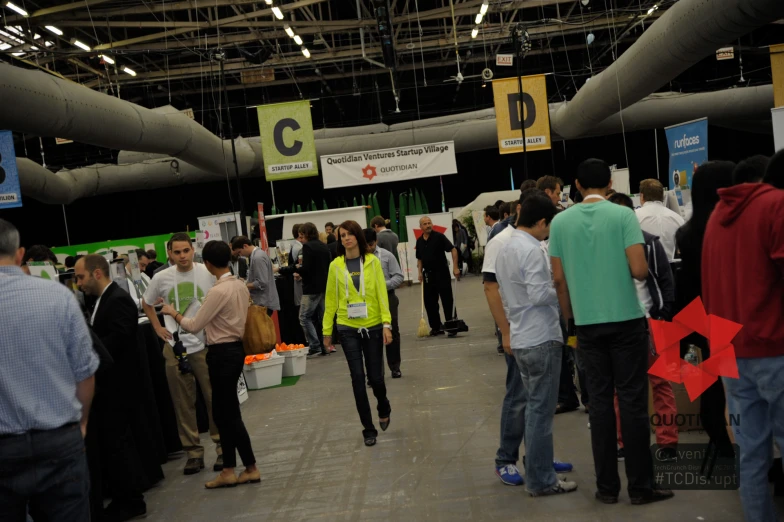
<point x="593" y="196"/>
<point x="361" y="279"/>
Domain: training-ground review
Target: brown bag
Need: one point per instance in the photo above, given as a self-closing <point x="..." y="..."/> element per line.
<point x="260" y="336"/>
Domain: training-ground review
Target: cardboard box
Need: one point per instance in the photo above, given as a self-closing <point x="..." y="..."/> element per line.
<point x="688" y="412"/>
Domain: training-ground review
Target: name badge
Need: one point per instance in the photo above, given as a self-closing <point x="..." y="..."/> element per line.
<point x="357" y="311"/>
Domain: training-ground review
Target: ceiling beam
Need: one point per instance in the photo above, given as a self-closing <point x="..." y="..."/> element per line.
<point x="56" y="10"/>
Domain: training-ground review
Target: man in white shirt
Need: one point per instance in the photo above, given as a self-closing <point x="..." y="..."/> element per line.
<point x="184" y="285"/>
<point x="657" y="219"/>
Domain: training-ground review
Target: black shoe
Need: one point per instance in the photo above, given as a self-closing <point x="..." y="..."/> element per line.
<point x="621" y="455"/>
<point x="606" y="499"/>
<point x="313" y="354"/>
<point x="120" y="513"/>
<point x="323" y="354"/>
<point x="667" y="455"/>
<point x="562" y="408"/>
<point x="396" y="373"/>
<point x="462" y="328"/>
<point x="656" y="495"/>
<point x="218" y="464"/>
<point x="370" y="441"/>
<point x="453" y="333"/>
<point x="434" y="333"/>
<point x="193" y="466"/>
<point x="385" y="425"/>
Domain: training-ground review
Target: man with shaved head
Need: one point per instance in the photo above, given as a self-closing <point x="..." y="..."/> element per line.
<point x="434" y="274"/>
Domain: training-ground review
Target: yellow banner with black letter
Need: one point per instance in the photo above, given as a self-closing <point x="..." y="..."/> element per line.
<point x="535" y="115"/>
<point x="287" y="144"/>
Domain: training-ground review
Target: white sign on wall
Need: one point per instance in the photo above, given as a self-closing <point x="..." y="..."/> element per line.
<point x="442" y="222"/>
<point x="382" y="166"/>
<point x="778" y="127"/>
<point x="725" y="53"/>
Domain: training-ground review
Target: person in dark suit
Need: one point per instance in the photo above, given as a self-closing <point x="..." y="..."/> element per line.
<point x="115" y="321"/>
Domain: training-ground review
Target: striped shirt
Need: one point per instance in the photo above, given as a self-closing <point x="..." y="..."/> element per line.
<point x="45" y="350"/>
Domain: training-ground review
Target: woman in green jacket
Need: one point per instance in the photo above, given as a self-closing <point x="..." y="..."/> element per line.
<point x="357" y="293"/>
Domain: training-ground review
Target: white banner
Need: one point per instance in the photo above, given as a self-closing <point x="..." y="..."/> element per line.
<point x="383" y="166"/>
<point x="778" y="127"/>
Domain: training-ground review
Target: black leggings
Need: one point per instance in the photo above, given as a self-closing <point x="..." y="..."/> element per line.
<point x="224" y="362"/>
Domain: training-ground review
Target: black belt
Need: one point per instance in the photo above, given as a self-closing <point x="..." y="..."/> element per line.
<point x="224" y="345"/>
<point x="64" y="427"/>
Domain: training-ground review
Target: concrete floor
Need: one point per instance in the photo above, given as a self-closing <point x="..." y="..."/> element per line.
<point x="434" y="463"/>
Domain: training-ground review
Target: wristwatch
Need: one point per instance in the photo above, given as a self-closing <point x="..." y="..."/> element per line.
<point x="388" y="326"/>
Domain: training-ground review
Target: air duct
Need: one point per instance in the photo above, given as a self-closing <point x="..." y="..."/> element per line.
<point x="38" y="103"/>
<point x="470" y="131"/>
<point x="689" y="31"/>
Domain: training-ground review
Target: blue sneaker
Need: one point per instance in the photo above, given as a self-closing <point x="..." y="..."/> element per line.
<point x="509" y="475"/>
<point x="561" y="467"/>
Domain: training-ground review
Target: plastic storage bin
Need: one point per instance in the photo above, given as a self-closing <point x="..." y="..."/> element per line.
<point x="295" y="363"/>
<point x="263" y="374"/>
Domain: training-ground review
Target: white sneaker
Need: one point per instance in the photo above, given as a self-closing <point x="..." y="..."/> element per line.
<point x="559" y="488"/>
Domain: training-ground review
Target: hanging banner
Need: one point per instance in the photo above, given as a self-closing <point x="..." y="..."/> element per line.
<point x="10" y="193"/>
<point x="688" y="144"/>
<point x="778" y="127"/>
<point x="777" y="72"/>
<point x="536" y="114"/>
<point x="263" y="242"/>
<point x="383" y="166"/>
<point x="287" y="143"/>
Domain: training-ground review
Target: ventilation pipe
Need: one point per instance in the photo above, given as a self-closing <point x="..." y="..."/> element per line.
<point x="746" y="106"/>
<point x="689" y="31"/>
<point x="38" y="103"/>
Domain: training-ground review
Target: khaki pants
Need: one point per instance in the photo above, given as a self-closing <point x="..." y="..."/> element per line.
<point x="183" y="393"/>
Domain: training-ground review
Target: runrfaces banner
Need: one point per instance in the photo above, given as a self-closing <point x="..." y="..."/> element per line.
<point x="10" y="192"/>
<point x="535" y="114"/>
<point x="688" y="144"/>
<point x="383" y="166"/>
<point x="287" y="143"/>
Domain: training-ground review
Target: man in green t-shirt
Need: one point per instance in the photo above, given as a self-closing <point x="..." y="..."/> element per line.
<point x="597" y="252"/>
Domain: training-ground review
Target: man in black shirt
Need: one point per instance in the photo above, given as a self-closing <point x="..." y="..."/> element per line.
<point x="434" y="274"/>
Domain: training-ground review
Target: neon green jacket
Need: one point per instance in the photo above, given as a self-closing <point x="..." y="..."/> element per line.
<point x="375" y="295"/>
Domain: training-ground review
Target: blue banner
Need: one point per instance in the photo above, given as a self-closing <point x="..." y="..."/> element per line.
<point x="10" y="193"/>
<point x="688" y="144"/>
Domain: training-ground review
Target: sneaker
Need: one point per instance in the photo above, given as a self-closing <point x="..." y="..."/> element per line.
<point x="332" y="349"/>
<point x="589" y="425"/>
<point x="193" y="466"/>
<point x="621" y="455"/>
<point x="559" y="488"/>
<point x="558" y="466"/>
<point x="666" y="455"/>
<point x="509" y="475"/>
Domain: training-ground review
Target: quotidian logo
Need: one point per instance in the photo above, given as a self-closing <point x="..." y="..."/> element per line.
<point x="369" y="172"/>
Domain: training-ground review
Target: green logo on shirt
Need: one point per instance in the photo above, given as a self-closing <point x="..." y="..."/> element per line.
<point x="185" y="289"/>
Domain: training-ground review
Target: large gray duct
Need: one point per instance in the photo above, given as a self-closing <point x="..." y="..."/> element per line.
<point x="470" y="131"/>
<point x="689" y="31"/>
<point x="38" y="103"/>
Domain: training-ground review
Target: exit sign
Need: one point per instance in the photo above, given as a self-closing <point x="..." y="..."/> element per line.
<point x="506" y="60"/>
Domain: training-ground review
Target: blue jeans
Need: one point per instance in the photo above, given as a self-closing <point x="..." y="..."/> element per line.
<point x="756" y="399"/>
<point x="540" y="368"/>
<point x="311" y="315"/>
<point x="45" y="472"/>
<point x="512" y="416"/>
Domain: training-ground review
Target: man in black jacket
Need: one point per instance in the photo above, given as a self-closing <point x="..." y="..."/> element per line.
<point x="115" y="321"/>
<point x="314" y="271"/>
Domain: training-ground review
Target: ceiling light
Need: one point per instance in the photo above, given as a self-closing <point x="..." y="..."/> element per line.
<point x="14" y="30"/>
<point x="17" y="54"/>
<point x="4" y="46"/>
<point x="306" y="52"/>
<point x="16" y="8"/>
<point x="129" y="71"/>
<point x="106" y="59"/>
<point x="277" y="12"/>
<point x="297" y="39"/>
<point x="48" y="43"/>
<point x="474" y="32"/>
<point x="36" y="36"/>
<point x="483" y="9"/>
<point x="269" y="2"/>
<point x="54" y="29"/>
<point x="652" y="9"/>
<point x="478" y="19"/>
<point x="80" y="45"/>
<point x="289" y="30"/>
<point x="34" y="48"/>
